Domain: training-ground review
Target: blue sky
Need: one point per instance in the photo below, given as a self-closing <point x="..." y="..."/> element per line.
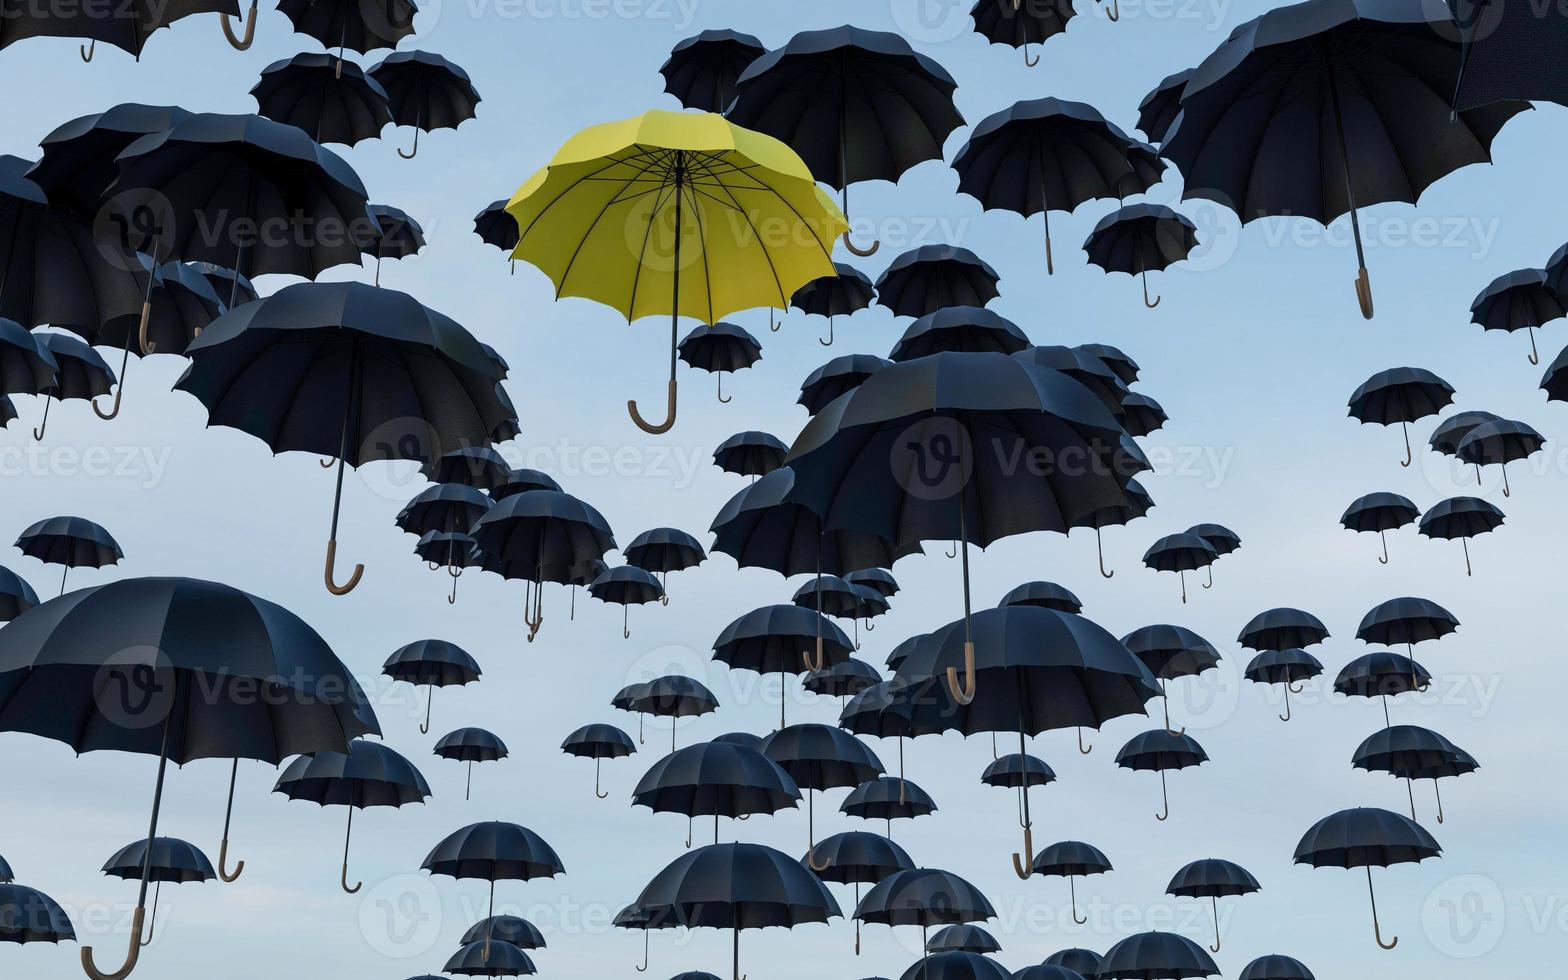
<point x="1253" y="353"/>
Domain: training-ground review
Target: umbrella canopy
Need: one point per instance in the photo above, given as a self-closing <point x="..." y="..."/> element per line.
<point x="1017" y="770"/>
<point x="492" y="851"/>
<point x="1021" y="24"/>
<point x="1555" y="381"/>
<point x="523" y="480"/>
<point x="78" y="157"/>
<point x="1366" y="837"/>
<point x="966" y="938"/>
<point x="1501" y="442"/>
<point x="346" y="25"/>
<point x="172" y="860"/>
<point x="673" y="696"/>
<point x="750" y="453"/>
<point x="1070" y="859"/>
<point x="720" y="348"/>
<point x="1212" y="878"/>
<point x="663" y="550"/>
<point x="888" y="798"/>
<point x="431" y="663"/>
<point x="845" y="292"/>
<point x="16" y="596"/>
<point x="1148" y="955"/>
<point x="1282" y="628"/>
<point x="956" y="965"/>
<point x="425" y="91"/>
<point x="126" y="27"/>
<point x="1275" y="967"/>
<point x="1380" y="512"/>
<point x="1170" y="652"/>
<point x="539" y="536"/>
<point x="27" y="915"/>
<point x="821" y="757"/>
<point x="1161" y="750"/>
<point x="1141" y="414"/>
<point x="924" y="897"/>
<point x="779" y="639"/>
<point x="1381" y="674"/>
<point x="1287" y="116"/>
<point x="1406" y="620"/>
<point x="496" y="227"/>
<point x="1499" y="46"/>
<point x="717" y="779"/>
<point x="331" y="99"/>
<point x="1085" y="962"/>
<point x="837" y="376"/>
<point x="626" y="586"/>
<point x="512" y="929"/>
<point x="1140" y="238"/>
<point x="1452" y="430"/>
<point x="1411" y="752"/>
<point x="1518" y="299"/>
<point x="878" y="580"/>
<point x="445" y="507"/>
<point x="929" y="278"/>
<point x="1462" y="518"/>
<point x="683" y="180"/>
<point x="856" y="857"/>
<point x="1088" y="370"/>
<point x="1180" y="553"/>
<point x="25" y="367"/>
<point x="598" y="742"/>
<point x="843" y="679"/>
<point x="489" y="958"/>
<point x="397" y="236"/>
<point x="959" y="328"/>
<point x="81" y="374"/>
<point x="702" y="69"/>
<point x="1285" y="667"/>
<point x="73" y="542"/>
<point x="1162" y="105"/>
<point x="470" y="745"/>
<point x="1047" y="971"/>
<point x="480" y="467"/>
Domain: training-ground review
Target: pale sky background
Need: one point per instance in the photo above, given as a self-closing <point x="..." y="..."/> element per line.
<point x="1253" y="353"/>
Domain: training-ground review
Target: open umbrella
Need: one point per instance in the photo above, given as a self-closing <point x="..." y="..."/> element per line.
<point x="540" y="536"/>
<point x="397" y="236"/>
<point x="924" y="897"/>
<point x="855" y="104"/>
<point x="1020" y="23"/>
<point x="27" y="915"/>
<point x="965" y="938"/>
<point x="842" y="680"/>
<point x="445" y="507"/>
<point x="521" y="481"/>
<point x="1275" y="967"/>
<point x="489" y="958"/>
<point x="27" y="369"/>
<point x="470" y="745"/>
<point x="929" y="278"/>
<point x="1381" y="674"/>
<point x="1366" y="837"/>
<point x="1212" y="878"/>
<point x="433" y="664"/>
<point x="1162" y="105"/>
<point x="1084" y="962"/>
<point x="333" y="100"/>
<point x="167" y="859"/>
<point x="1501" y="442"/>
<point x="598" y="742"/>
<point x="830" y="595"/>
<point x="480" y="467"/>
<point x="1505" y="53"/>
<point x="1408" y="620"/>
<point x="663" y="550"/>
<point x="1380" y="512"/>
<point x="493" y="851"/>
<point x="72" y="542"/>
<point x="1221" y="538"/>
<point x="1141" y="414"/>
<point x="844" y="292"/>
<point x="702" y="69"/>
<point x="1411" y="752"/>
<point x="750" y="453"/>
<point x="635" y="917"/>
<point x="1450" y="432"/>
<point x="126" y="26"/>
<point x="780" y="639"/>
<point x="878" y="580"/>
<point x="819" y="758"/>
<point x="857" y="858"/>
<point x="1180" y="553"/>
<point x="16" y="596"/>
<point x="719" y="348"/>
<point x="1555" y="381"/>
<point x="888" y="798"/>
<point x="1462" y="518"/>
<point x="955" y="965"/>
<point x="837" y="376"/>
<point x="1161" y="750"/>
<point x="1401" y="395"/>
<point x="1518" y="299"/>
<point x="82" y="375"/>
<point x="717" y="779"/>
<point x="674" y="696"/>
<point x="452" y="549"/>
<point x="7" y="411"/>
<point x="512" y="929"/>
<point x="882" y="711"/>
<point x="350" y="26"/>
<point x="690" y="189"/>
<point x="78" y="164"/>
<point x="1287" y="667"/>
<point x="1282" y="628"/>
<point x="1138" y="504"/>
<point x="425" y="91"/>
<point x="496" y="227"/>
<point x="1288" y="115"/>
<point x="626" y="586"/>
<point x="1166" y="955"/>
<point x="369" y="774"/>
<point x="1171" y="652"/>
<point x="959" y="328"/>
<point x="1070" y="859"/>
<point x="197" y="670"/>
<point x="1140" y="238"/>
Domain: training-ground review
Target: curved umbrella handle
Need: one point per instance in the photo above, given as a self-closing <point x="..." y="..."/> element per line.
<point x="644" y="967"/>
<point x="328" y="574"/>
<point x="1027" y="62"/>
<point x="1146" y="301"/>
<point x="114" y="409"/>
<point x="327" y="463"/>
<point x="87" y="51"/>
<point x="1383" y="536"/>
<point x="1364" y="292"/>
<point x="1534" y="357"/>
<point x="240" y="43"/>
<point x="596" y="792"/>
<point x="1286" y="715"/>
<point x="811" y="859"/>
<point x="1214" y="903"/>
<point x="411" y="154"/>
<point x="1099" y="549"/>
<point x="1072" y="894"/>
<point x="722" y="399"/>
<point x="348" y="835"/>
<point x="1209" y="584"/>
<point x="1083" y="749"/>
<point x="91" y="968"/>
<point x="148" y="346"/>
<point x="964" y="693"/>
<point x="952" y="551"/>
<point x="1164" y="799"/>
<point x="1377" y="930"/>
<point x="662" y="427"/>
<point x="42" y="427"/>
<point x="820" y="662"/>
<point x="1439" y="791"/>
<point x="223" y="859"/>
<point x="863" y="253"/>
<point x="343" y="880"/>
<point x="1021" y="867"/>
<point x="1405" y="427"/>
<point x="1115" y="13"/>
<point x="424" y="729"/>
<point x="829" y="341"/>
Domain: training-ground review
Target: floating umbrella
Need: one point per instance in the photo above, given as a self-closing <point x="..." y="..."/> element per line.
<point x="1299" y="94"/>
<point x="369" y="774"/>
<point x="1085" y="962"/>
<point x="445" y="507"/>
<point x="737" y="887"/>
<point x="1276" y="967"/>
<point x="1366" y="837"/>
<point x="72" y="542"/>
<point x="674" y="696"/>
<point x="1047" y="971"/>
<point x="1046" y="155"/>
<point x="397" y="237"/>
<point x="626" y="700"/>
<point x="1212" y="878"/>
<point x="1166" y="955"/>
<point x="513" y="929"/>
<point x="888" y="798"/>
<point x="837" y="376"/>
<point x="746" y="739"/>
<point x="1142" y="415"/>
<point x="1499" y="45"/>
<point x="1451" y="432"/>
<point x="1555" y="381"/>
<point x="842" y="680"/>
<point x="924" y="897"/>
<point x="1282" y="628"/>
<point x="1380" y="512"/>
<point x="1180" y="553"/>
<point x="881" y="710"/>
<point x="490" y="958"/>
<point x="539" y="536"/>
<point x="718" y="348"/>
<point x="831" y="595"/>
<point x="966" y="938"/>
<point x="750" y="454"/>
<point x="845" y="292"/>
<point x="1462" y="518"/>
<point x="959" y="328"/>
<point x="634" y="917"/>
<point x="126" y="27"/>
<point x="349" y="26"/>
<point x="1171" y="652"/>
<point x="1140" y="238"/>
<point x="929" y="278"/>
<point x="522" y="481"/>
<point x="27" y="915"/>
<point x="1161" y="750"/>
<point x="1412" y="752"/>
<point x="1287" y="667"/>
<point x="702" y="70"/>
<point x="26" y="368"/>
<point x="1020" y="24"/>
<point x="855" y="104"/>
<point x="189" y="658"/>
<point x="78" y="162"/>
<point x="1401" y="395"/>
<point x="6" y="875"/>
<point x="383" y="377"/>
<point x="1500" y="442"/>
<point x="16" y="596"/>
<point x="496" y="227"/>
<point x="471" y="745"/>
<point x="819" y="758"/>
<point x="626" y="586"/>
<point x="598" y="742"/>
<point x="1070" y="859"/>
<point x="433" y="664"/>
<point x="333" y="100"/>
<point x="1113" y="358"/>
<point x="425" y="91"/>
<point x="780" y="639"/>
<point x="7" y="411"/>
<point x="227" y="283"/>
<point x="493" y="851"/>
<point x="1138" y="504"/>
<point x="641" y="177"/>
<point x="717" y="779"/>
<point x="1162" y="105"/>
<point x="165" y="859"/>
<point x="82" y="374"/>
<point x="857" y="858"/>
<point x="480" y="467"/>
<point x="1518" y="299"/>
<point x="452" y="549"/>
<point x="1381" y="674"/>
<point x="664" y="550"/>
<point x="1406" y="620"/>
<point x="1221" y="538"/>
<point x="878" y="580"/>
<point x="956" y="966"/>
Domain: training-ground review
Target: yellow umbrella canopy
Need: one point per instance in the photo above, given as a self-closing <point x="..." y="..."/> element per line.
<point x="678" y="213"/>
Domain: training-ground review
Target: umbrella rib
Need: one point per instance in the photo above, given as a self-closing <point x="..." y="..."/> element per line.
<point x="767" y="255"/>
<point x="610" y="163"/>
<point x="647" y="233"/>
<point x="583" y="240"/>
<point x="702" y="236"/>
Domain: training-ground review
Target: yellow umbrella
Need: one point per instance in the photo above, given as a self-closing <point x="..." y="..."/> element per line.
<point x="678" y="213"/>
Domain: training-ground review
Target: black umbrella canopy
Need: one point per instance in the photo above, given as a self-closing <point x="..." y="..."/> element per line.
<point x="1288" y="116"/>
<point x="512" y="929"/>
<point x="1047" y="971"/>
<point x="845" y="293"/>
<point x="717" y="779"/>
<point x="539" y="536"/>
<point x="1047" y="155"/>
<point x="1450" y="432"/>
<point x="1499" y="46"/>
<point x="1141" y="414"/>
<point x="480" y="467"/>
<point x="1151" y="955"/>
<point x="432" y="663"/>
<point x="746" y="739"/>
<point x="1070" y="859"/>
<point x="720" y="348"/>
<point x="1180" y="553"/>
<point x="346" y="25"/>
<point x="842" y="680"/>
<point x="929" y="278"/>
<point x="598" y="742"/>
<point x="626" y="586"/>
<point x="664" y="550"/>
<point x="488" y="957"/>
<point x="1381" y="674"/>
<point x="1162" y="105"/>
<point x="445" y="507"/>
<point x="27" y="915"/>
<point x="1021" y="23"/>
<point x="780" y="639"/>
<point x="1406" y="620"/>
<point x="333" y="100"/>
<point x="1401" y="395"/>
<point x="1411" y="752"/>
<point x="879" y="580"/>
<point x="1380" y="512"/>
<point x="965" y="938"/>
<point x="1285" y="667"/>
<point x="955" y="965"/>
<point x="1500" y="442"/>
<point x="471" y="745"/>
<point x="821" y="757"/>
<point x="1519" y="299"/>
<point x="180" y="304"/>
<point x="397" y="236"/>
<point x="924" y="897"/>
<point x="453" y="549"/>
<point x="837" y="376"/>
<point x="1161" y="750"/>
<point x="7" y="411"/>
<point x="126" y="26"/>
<point x="858" y="857"/>
<point x="6" y="875"/>
<point x="1462" y="518"/>
<point x="1085" y="962"/>
<point x="27" y="369"/>
<point x="522" y="480"/>
<point x="1087" y="369"/>
<point x="830" y="596"/>
<point x="1282" y="628"/>
<point x="1212" y="878"/>
<point x="1366" y="837"/>
<point x="171" y="860"/>
<point x="855" y="104"/>
<point x="959" y="328"/>
<point x="496" y="227"/>
<point x="750" y="453"/>
<point x="1141" y="238"/>
<point x="81" y="374"/>
<point x="16" y="596"/>
<point x="425" y="91"/>
<point x="74" y="542"/>
<point x="493" y="851"/>
<point x="77" y="164"/>
<point x="1275" y="966"/>
<point x="1018" y="770"/>
<point x="888" y="798"/>
<point x="1171" y="651"/>
<point x="702" y="70"/>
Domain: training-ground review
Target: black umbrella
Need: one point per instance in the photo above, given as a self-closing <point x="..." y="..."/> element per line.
<point x="512" y="929"/>
<point x="1276" y="967"/>
<point x="227" y="283"/>
<point x="837" y="376"/>
<point x="1161" y="750"/>
<point x="1450" y="432"/>
<point x="1221" y="538"/>
<point x="1411" y="752"/>
<point x="1020" y="23"/>
<point x="1171" y="652"/>
<point x="1047" y="971"/>
<point x="1141" y="414"/>
<point x="626" y="586"/>
<point x="883" y="710"/>
<point x="539" y="536"/>
<point x="1162" y="105"/>
<point x="663" y="550"/>
<point x="1518" y="299"/>
<point x="521" y="481"/>
<point x="959" y="328"/>
<point x="167" y="859"/>
<point x="750" y="454"/>
<point x="1138" y="504"/>
<point x="888" y="798"/>
<point x="702" y="70"/>
<point x="471" y="745"/>
<point x="626" y="700"/>
<point x="954" y="965"/>
<point x="127" y="26"/>
<point x="433" y="664"/>
<point x="490" y="958"/>
<point x="1380" y="512"/>
<point x="82" y="374"/>
<point x="201" y="671"/>
<point x="717" y="779"/>
<point x="480" y="467"/>
<point x="1462" y="518"/>
<point x="720" y="347"/>
<point x="1085" y="962"/>
<point x="7" y="411"/>
<point x="347" y="371"/>
<point x="842" y="680"/>
<point x="831" y="595"/>
<point x="746" y="739"/>
<point x="369" y="774"/>
<point x="780" y="639"/>
<point x="1166" y="955"/>
<point x="1140" y="238"/>
<point x="1504" y="53"/>
<point x="27" y="915"/>
<point x="1381" y="674"/>
<point x="857" y="858"/>
<point x="855" y="104"/>
<point x="1113" y="358"/>
<point x="26" y="368"/>
<point x="1555" y="381"/>
<point x="1288" y="115"/>
<point x="398" y="236"/>
<point x="1282" y="628"/>
<point x="845" y="293"/>
<point x="673" y="696"/>
<point x="16" y="596"/>
<point x="819" y="758"/>
<point x="350" y="26"/>
<point x="493" y="851"/>
<point x="1047" y="155"/>
<point x="452" y="549"/>
<point x="598" y="742"/>
<point x="1365" y="837"/>
<point x="425" y="91"/>
<point x="1406" y="620"/>
<point x="333" y="100"/>
<point x="929" y="278"/>
<point x="1213" y="879"/>
<point x="445" y="507"/>
<point x="78" y="162"/>
<point x="634" y="917"/>
<point x="1501" y="442"/>
<point x="72" y="542"/>
<point x="878" y="580"/>
<point x="496" y="227"/>
<point x="1286" y="667"/>
<point x="1180" y="553"/>
<point x="966" y="938"/>
<point x="924" y="897"/>
<point x="1070" y="859"/>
